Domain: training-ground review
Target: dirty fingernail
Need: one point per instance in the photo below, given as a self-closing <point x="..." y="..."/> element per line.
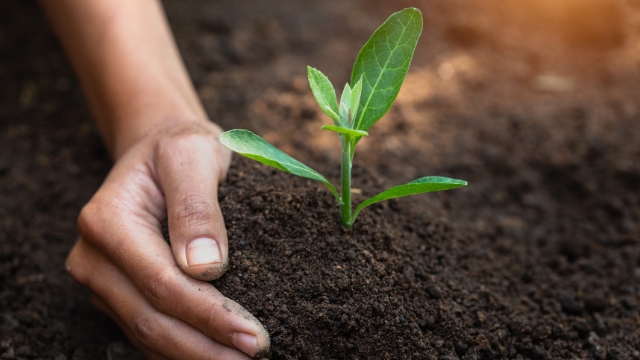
<point x="203" y="251"/>
<point x="246" y="343"/>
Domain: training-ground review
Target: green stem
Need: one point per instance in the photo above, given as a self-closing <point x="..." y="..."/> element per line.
<point x="345" y="204"/>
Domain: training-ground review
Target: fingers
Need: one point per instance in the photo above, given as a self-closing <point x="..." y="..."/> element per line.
<point x="143" y="255"/>
<point x="188" y="169"/>
<point x="103" y="307"/>
<point x="144" y="325"/>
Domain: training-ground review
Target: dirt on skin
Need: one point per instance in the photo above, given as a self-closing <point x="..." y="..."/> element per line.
<point x="535" y="104"/>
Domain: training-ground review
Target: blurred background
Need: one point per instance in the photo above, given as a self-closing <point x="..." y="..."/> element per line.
<point x="534" y="102"/>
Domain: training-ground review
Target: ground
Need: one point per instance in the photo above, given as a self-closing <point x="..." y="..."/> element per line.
<point x="535" y="104"/>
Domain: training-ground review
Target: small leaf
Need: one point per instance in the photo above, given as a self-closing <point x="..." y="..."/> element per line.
<point x="324" y="93"/>
<point x="345" y="105"/>
<point x="383" y="64"/>
<point x="356" y="92"/>
<point x="343" y="130"/>
<point x="248" y="144"/>
<point x="419" y="186"/>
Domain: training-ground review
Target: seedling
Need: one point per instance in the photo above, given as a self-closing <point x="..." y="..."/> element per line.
<point x="377" y="76"/>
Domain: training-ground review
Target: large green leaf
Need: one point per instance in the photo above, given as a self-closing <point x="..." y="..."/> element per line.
<point x="419" y="186"/>
<point x="248" y="144"/>
<point x="324" y="93"/>
<point x="383" y="64"/>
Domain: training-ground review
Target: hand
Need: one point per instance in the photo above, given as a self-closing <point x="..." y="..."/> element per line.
<point x="148" y="287"/>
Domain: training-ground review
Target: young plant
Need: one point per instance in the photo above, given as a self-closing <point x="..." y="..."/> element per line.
<point x="377" y="76"/>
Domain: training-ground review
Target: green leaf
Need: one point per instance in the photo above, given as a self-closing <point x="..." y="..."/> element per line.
<point x="346" y="131"/>
<point x="345" y="106"/>
<point x="383" y="64"/>
<point x="248" y="144"/>
<point x="419" y="186"/>
<point x="356" y="92"/>
<point x="324" y="93"/>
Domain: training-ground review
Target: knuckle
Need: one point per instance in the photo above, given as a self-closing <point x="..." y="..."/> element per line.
<point x="90" y="222"/>
<point x="194" y="210"/>
<point x="180" y="143"/>
<point x="97" y="217"/>
<point x="145" y="331"/>
<point x="159" y="287"/>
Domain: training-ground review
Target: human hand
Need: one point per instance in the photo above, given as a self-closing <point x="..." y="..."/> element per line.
<point x="155" y="292"/>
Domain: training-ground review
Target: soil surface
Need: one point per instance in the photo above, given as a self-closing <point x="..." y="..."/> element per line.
<point x="536" y="105"/>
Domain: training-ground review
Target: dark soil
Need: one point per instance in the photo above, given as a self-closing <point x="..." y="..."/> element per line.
<point x="408" y="281"/>
<point x="536" y="104"/>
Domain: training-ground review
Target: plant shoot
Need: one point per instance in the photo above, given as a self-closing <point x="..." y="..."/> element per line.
<point x="377" y="76"/>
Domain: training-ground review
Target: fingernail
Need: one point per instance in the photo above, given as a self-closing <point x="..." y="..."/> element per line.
<point x="203" y="251"/>
<point x="246" y="343"/>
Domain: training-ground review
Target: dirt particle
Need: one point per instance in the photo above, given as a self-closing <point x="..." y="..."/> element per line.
<point x="614" y="353"/>
<point x="582" y="328"/>
<point x="257" y="203"/>
<point x="9" y="354"/>
<point x="488" y="354"/>
<point x="481" y="317"/>
<point x="570" y="305"/>
<point x="538" y="353"/>
<point x="596" y="302"/>
<point x="378" y="308"/>
<point x="541" y="332"/>
<point x="434" y="291"/>
<point x="23" y="350"/>
<point x="599" y="352"/>
<point x="601" y="328"/>
<point x="225" y="306"/>
<point x="461" y="348"/>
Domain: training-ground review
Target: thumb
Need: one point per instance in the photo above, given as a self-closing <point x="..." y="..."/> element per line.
<point x="188" y="172"/>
